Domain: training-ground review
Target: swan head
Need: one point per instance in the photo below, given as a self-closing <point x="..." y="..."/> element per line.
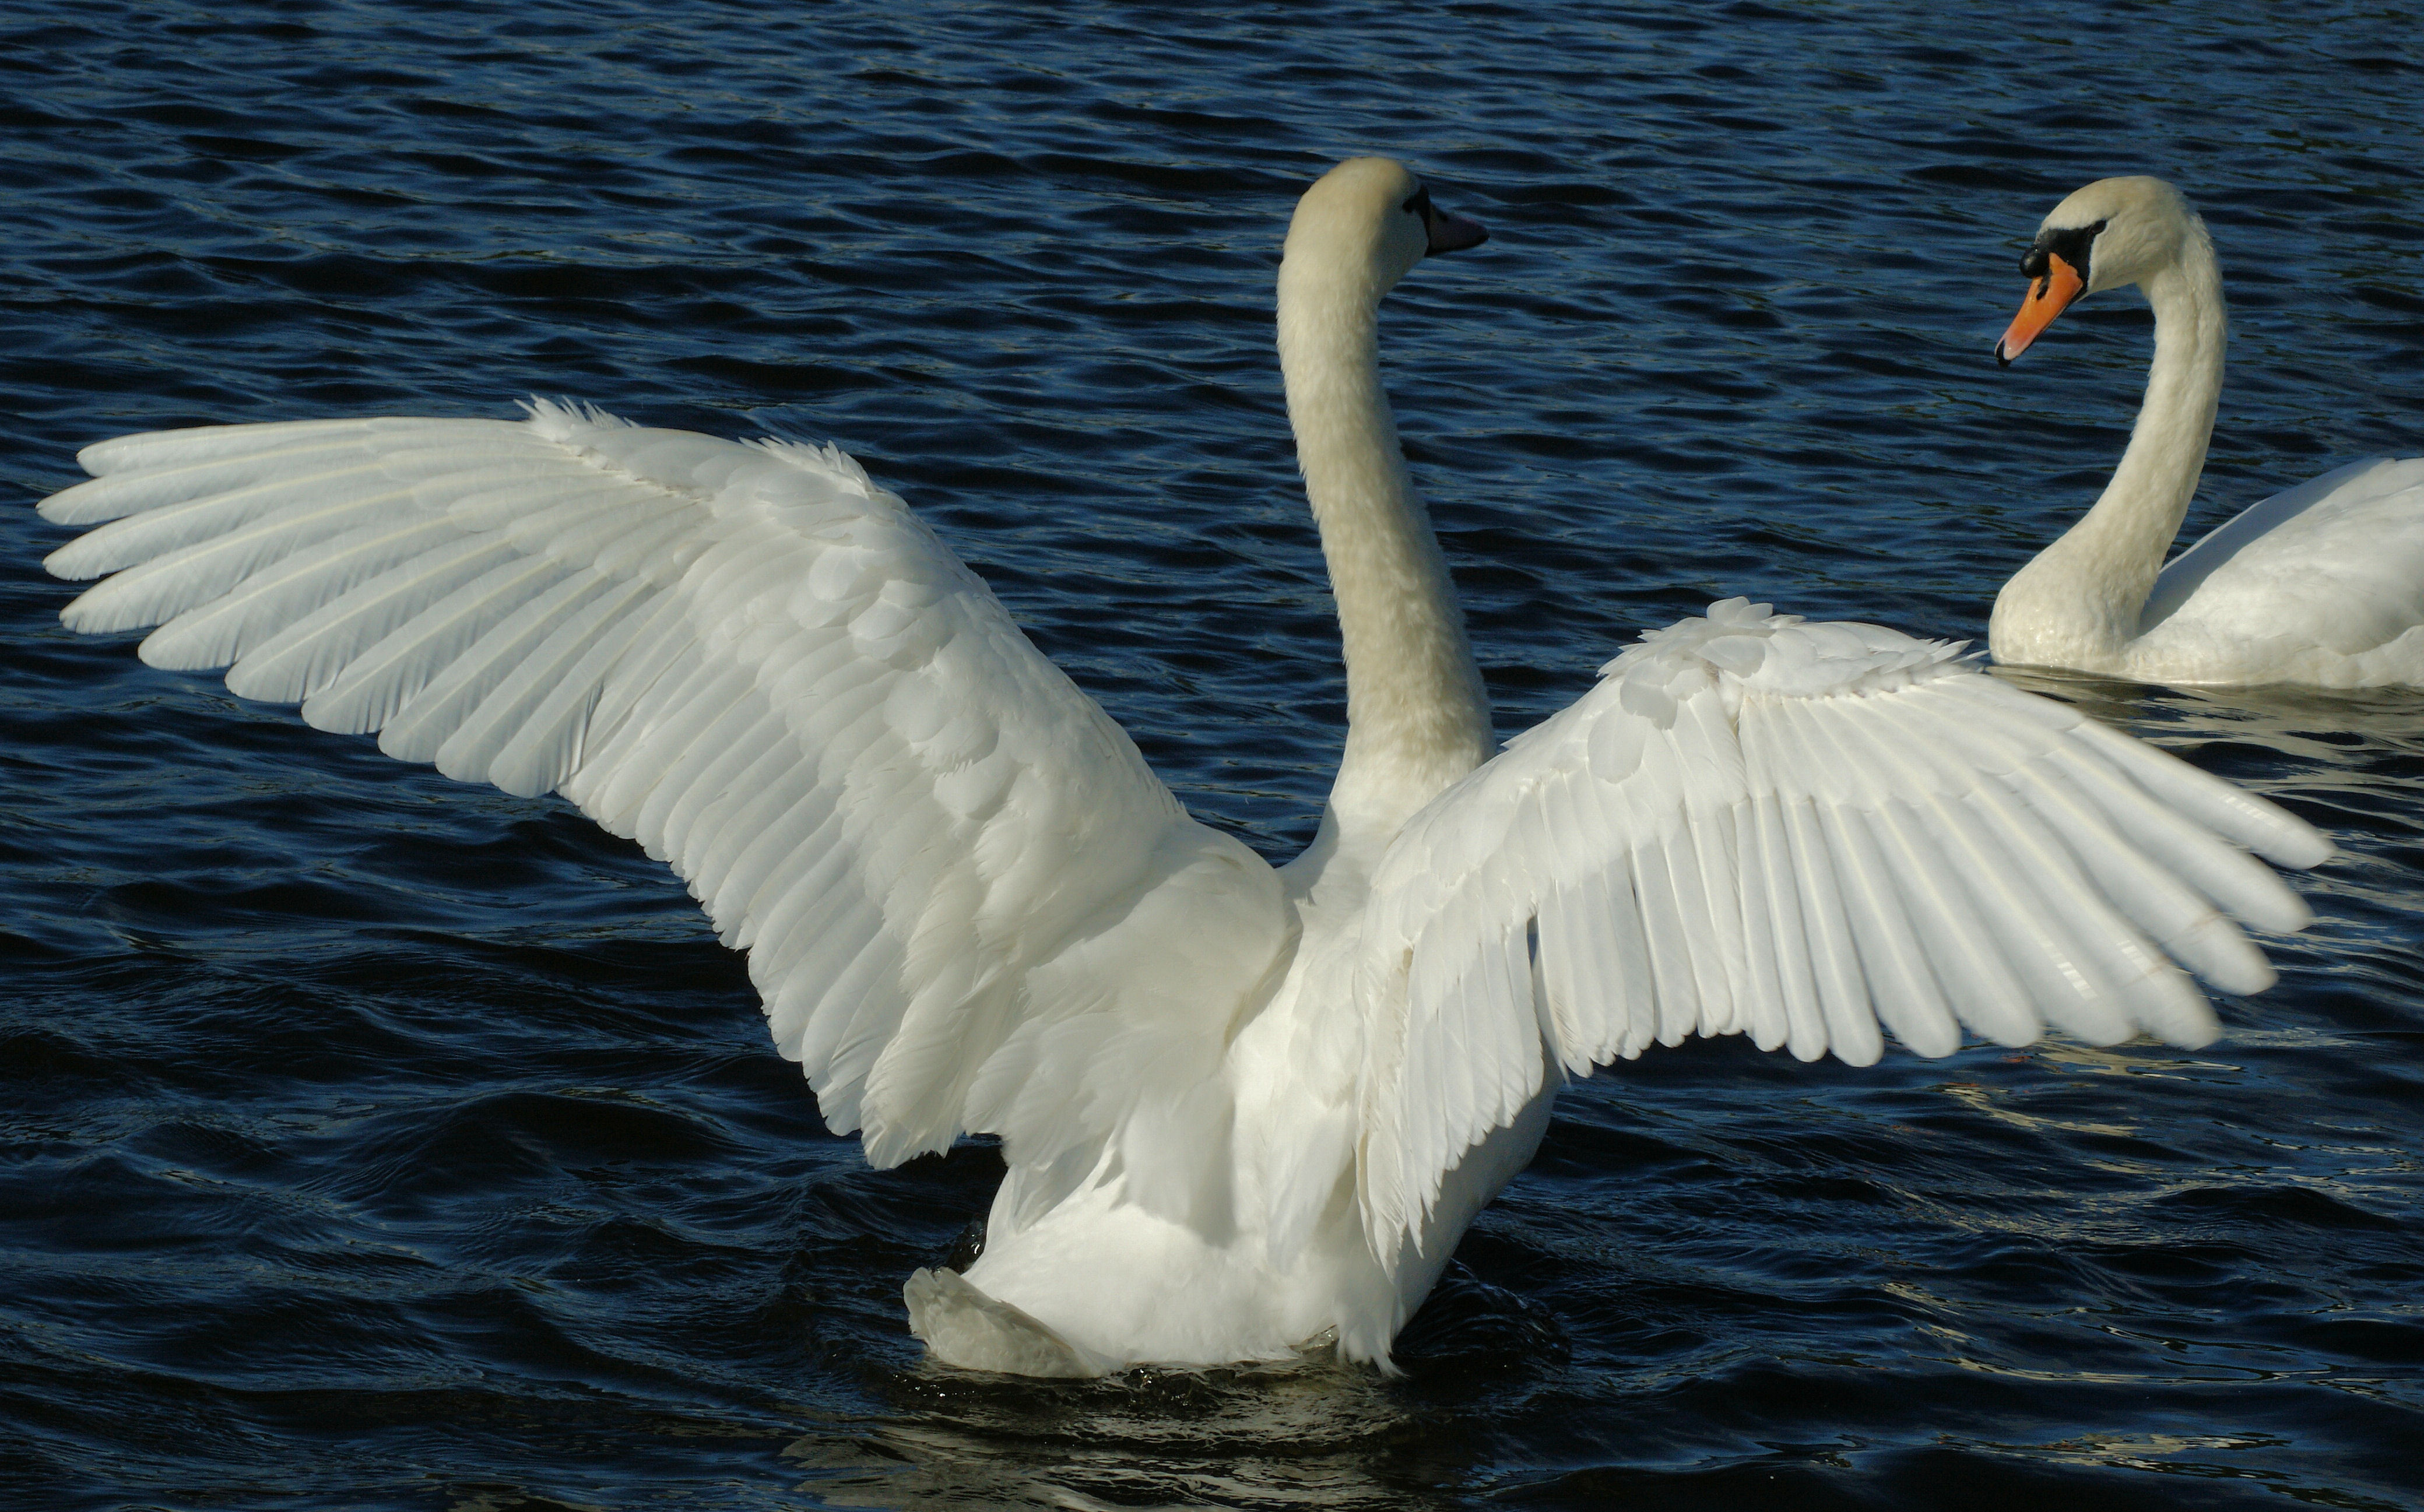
<point x="2114" y="232"/>
<point x="1367" y="221"/>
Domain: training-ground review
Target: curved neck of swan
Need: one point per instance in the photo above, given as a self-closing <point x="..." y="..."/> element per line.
<point x="2081" y="602"/>
<point x="1416" y="719"/>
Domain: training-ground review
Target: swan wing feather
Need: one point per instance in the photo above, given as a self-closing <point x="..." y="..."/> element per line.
<point x="1816" y="835"/>
<point x="958" y="881"/>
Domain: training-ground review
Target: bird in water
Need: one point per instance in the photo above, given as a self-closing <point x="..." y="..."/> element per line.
<point x="2321" y="584"/>
<point x="1245" y="1109"/>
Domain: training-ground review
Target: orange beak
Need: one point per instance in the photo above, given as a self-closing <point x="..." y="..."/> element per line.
<point x="2048" y="297"/>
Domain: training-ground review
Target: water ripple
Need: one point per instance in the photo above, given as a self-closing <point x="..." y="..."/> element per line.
<point x="375" y="1143"/>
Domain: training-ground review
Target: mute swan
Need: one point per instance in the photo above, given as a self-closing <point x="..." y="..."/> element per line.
<point x="1243" y="1109"/>
<point x="2322" y="583"/>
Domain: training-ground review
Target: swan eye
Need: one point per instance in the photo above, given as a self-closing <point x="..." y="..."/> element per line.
<point x="1419" y="206"/>
<point x="2074" y="245"/>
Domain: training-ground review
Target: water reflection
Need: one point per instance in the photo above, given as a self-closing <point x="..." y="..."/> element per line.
<point x="1311" y="1434"/>
<point x="2311" y="726"/>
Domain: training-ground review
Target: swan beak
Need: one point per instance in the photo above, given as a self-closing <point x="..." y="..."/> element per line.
<point x="1453" y="233"/>
<point x="2048" y="297"/>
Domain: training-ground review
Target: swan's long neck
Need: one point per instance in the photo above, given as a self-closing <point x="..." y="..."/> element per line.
<point x="2080" y="602"/>
<point x="1416" y="719"/>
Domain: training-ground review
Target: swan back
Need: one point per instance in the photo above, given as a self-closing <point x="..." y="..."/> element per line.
<point x="2322" y="584"/>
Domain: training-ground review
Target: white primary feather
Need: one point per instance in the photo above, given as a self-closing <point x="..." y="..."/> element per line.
<point x="464" y="589"/>
<point x="1240" y="1108"/>
<point x="1925" y="890"/>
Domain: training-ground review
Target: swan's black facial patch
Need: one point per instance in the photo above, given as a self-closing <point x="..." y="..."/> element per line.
<point x="1419" y="206"/>
<point x="2074" y="245"/>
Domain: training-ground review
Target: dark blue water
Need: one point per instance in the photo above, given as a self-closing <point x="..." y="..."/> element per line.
<point x="375" y="1143"/>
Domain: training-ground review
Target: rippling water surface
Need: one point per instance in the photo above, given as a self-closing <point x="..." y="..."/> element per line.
<point x="376" y="1142"/>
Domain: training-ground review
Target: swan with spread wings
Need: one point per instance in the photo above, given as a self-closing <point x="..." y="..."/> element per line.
<point x="1244" y="1109"/>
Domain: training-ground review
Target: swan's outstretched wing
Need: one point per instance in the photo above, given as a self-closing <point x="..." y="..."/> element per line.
<point x="1810" y="834"/>
<point x="2334" y="566"/>
<point x="947" y="865"/>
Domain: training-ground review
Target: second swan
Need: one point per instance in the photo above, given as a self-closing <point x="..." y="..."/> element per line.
<point x="2322" y="584"/>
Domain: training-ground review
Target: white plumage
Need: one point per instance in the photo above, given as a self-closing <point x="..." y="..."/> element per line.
<point x="2320" y="585"/>
<point x="1243" y="1109"/>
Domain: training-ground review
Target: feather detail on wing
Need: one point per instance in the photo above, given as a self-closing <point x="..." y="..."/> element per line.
<point x="1812" y="834"/>
<point x="949" y="867"/>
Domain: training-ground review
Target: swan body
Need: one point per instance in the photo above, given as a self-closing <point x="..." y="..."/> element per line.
<point x="2321" y="584"/>
<point x="1243" y="1109"/>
